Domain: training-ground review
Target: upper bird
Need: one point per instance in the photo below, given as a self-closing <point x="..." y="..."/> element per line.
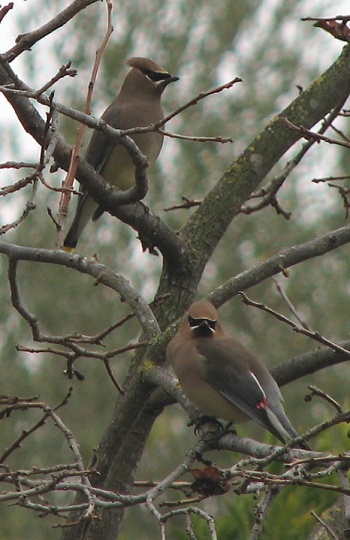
<point x="137" y="105"/>
<point x="222" y="377"/>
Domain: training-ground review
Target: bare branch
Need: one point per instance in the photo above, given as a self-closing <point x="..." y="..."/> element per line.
<point x="29" y="207"/>
<point x="344" y="483"/>
<point x="26" y="404"/>
<point x="330" y="532"/>
<point x="268" y="194"/>
<point x="17" y="165"/>
<point x="344" y="18"/>
<point x="196" y="99"/>
<point x="4" y="10"/>
<point x="299" y="329"/>
<point x="280" y="263"/>
<point x="93" y="268"/>
<point x="339" y="30"/>
<point x="64" y="71"/>
<point x="193" y="138"/>
<point x="289" y="303"/>
<point x="261" y="510"/>
<point x="188" y="203"/>
<point x="318" y="137"/>
<point x="24" y="42"/>
<point x="317" y="392"/>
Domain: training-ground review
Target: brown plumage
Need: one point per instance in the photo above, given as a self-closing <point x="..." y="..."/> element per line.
<point x="138" y="104"/>
<point x="223" y="378"/>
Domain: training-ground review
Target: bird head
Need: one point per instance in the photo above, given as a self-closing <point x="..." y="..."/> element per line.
<point x="202" y="319"/>
<point x="149" y="73"/>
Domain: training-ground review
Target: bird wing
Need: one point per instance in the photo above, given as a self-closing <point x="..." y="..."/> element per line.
<point x="101" y="147"/>
<point x="234" y="380"/>
<point x="99" y="150"/>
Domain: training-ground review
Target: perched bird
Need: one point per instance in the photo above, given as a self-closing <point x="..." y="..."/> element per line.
<point x="223" y="378"/>
<point x="137" y="105"/>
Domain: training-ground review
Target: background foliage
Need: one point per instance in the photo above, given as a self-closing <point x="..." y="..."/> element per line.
<point x="267" y="45"/>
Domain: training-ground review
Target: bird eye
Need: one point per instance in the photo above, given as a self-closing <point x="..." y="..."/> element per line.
<point x="192" y="322"/>
<point x="156" y="76"/>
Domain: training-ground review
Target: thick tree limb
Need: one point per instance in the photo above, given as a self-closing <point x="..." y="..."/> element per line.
<point x="208" y="224"/>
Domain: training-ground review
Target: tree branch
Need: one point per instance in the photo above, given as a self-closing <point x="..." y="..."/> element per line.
<point x="208" y="224"/>
<point x="153" y="230"/>
<point x="297" y="328"/>
<point x="280" y="263"/>
<point x="25" y="42"/>
<point x="99" y="271"/>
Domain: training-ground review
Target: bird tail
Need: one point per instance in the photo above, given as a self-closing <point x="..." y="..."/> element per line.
<point x="281" y="427"/>
<point x="85" y="209"/>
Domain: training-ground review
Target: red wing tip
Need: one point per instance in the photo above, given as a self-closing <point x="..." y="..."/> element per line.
<point x="263" y="404"/>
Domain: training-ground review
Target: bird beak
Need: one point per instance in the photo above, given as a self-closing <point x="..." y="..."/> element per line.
<point x="206" y="326"/>
<point x="172" y="79"/>
<point x="163" y="84"/>
<point x="203" y="329"/>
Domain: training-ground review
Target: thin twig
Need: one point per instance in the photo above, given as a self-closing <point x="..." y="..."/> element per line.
<point x="318" y="137"/>
<point x="261" y="510"/>
<point x="4" y="10"/>
<point x="268" y="193"/>
<point x="64" y="71"/>
<point x="188" y="203"/>
<point x="317" y="392"/>
<point x="344" y="483"/>
<point x="289" y="303"/>
<point x="325" y="525"/>
<point x="27" y="432"/>
<point x="344" y="18"/>
<point x="193" y="138"/>
<point x="310" y="333"/>
<point x="26" y="41"/>
<point x="113" y="379"/>
<point x="202" y="95"/>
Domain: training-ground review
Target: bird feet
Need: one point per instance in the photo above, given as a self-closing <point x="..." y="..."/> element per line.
<point x="209" y="428"/>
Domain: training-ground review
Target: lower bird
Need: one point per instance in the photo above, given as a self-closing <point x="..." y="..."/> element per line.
<point x="222" y="377"/>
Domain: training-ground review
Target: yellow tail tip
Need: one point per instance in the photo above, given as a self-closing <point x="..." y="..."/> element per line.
<point x="68" y="249"/>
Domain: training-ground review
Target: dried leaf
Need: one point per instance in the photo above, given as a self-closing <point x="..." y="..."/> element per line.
<point x="339" y="30"/>
<point x="209" y="481"/>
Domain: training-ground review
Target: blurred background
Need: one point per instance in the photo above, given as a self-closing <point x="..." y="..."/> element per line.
<point x="274" y="52"/>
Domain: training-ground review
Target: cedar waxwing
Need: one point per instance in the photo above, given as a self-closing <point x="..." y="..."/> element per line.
<point x="223" y="378"/>
<point x="137" y="105"/>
